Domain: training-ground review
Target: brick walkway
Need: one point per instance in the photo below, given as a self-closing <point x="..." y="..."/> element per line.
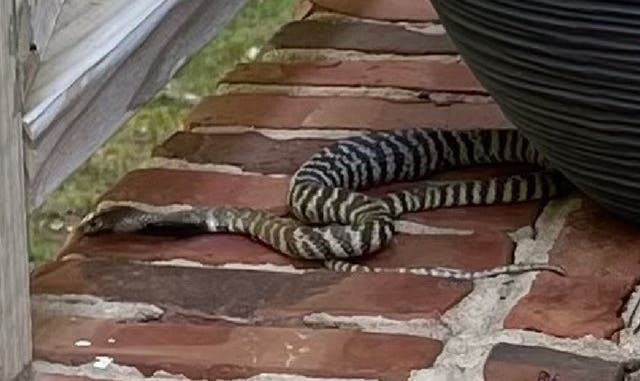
<point x="215" y="306"/>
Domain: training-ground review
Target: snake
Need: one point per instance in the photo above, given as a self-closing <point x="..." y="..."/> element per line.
<point x="332" y="219"/>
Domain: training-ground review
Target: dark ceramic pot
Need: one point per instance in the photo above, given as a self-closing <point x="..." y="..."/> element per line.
<point x="567" y="74"/>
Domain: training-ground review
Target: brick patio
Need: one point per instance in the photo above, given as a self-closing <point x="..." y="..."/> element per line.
<point x="225" y="307"/>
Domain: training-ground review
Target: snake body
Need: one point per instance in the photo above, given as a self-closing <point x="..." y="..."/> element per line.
<point x="335" y="222"/>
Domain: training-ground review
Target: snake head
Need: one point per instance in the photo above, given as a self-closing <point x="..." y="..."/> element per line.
<point x="92" y="224"/>
<point x="111" y="219"/>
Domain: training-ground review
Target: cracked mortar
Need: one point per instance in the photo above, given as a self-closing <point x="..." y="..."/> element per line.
<point x="476" y="322"/>
<point x="93" y="307"/>
<point x="469" y="330"/>
<point x="483" y="311"/>
<point x="112" y="372"/>
<point x="283" y="134"/>
<point x="421" y="27"/>
<point x="475" y="325"/>
<point x="390" y="93"/>
<point x="387" y="93"/>
<point x="430" y="328"/>
<point x="289" y="55"/>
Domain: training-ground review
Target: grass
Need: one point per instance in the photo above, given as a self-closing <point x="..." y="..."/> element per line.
<point x="49" y="225"/>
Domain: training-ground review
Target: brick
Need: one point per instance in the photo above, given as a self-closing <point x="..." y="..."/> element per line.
<point x="199" y="188"/>
<point x="594" y="243"/>
<point x="361" y="36"/>
<point x="479" y="251"/>
<point x="397" y="10"/>
<point x="218" y="249"/>
<point x="260" y="297"/>
<point x="505" y="218"/>
<point x="572" y="306"/>
<point x="600" y="253"/>
<point x="280" y="111"/>
<point x="290" y="154"/>
<point x="267" y="156"/>
<point x="224" y="352"/>
<point x="521" y="363"/>
<point x="207" y="249"/>
<point x="413" y="75"/>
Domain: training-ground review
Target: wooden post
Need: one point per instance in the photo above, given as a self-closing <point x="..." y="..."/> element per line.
<point x="15" y="318"/>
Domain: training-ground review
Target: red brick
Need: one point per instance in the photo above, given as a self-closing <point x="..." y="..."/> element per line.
<point x="200" y="188"/>
<point x="594" y="243"/>
<point x="261" y="297"/>
<point x="572" y="306"/>
<point x="414" y="75"/>
<point x="208" y="249"/>
<point x="397" y="10"/>
<point x="267" y="156"/>
<point x="600" y="253"/>
<point x="521" y="363"/>
<point x="506" y="218"/>
<point x="222" y="352"/>
<point x="481" y="250"/>
<point x="281" y="111"/>
<point x="270" y="156"/>
<point x="360" y="36"/>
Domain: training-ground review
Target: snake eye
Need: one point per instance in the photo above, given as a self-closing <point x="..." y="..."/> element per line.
<point x="91" y="225"/>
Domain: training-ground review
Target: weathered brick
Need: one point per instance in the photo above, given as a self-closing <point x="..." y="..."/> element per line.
<point x="397" y="10"/>
<point x="505" y="218"/>
<point x="281" y="111"/>
<point x="259" y="297"/>
<point x="414" y="75"/>
<point x="600" y="253"/>
<point x="480" y="250"/>
<point x="224" y="352"/>
<point x="199" y="188"/>
<point x="522" y="363"/>
<point x="361" y="36"/>
<point x="207" y="249"/>
<point x="271" y="156"/>
<point x="594" y="243"/>
<point x="253" y="152"/>
<point x="572" y="306"/>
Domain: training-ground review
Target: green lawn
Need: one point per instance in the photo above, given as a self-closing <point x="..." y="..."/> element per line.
<point x="49" y="225"/>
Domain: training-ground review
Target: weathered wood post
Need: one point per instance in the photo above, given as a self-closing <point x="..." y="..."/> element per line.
<point x="15" y="319"/>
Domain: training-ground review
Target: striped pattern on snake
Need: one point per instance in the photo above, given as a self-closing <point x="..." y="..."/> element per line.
<point x="334" y="222"/>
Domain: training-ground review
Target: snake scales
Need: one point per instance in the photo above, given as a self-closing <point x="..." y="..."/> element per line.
<point x="334" y="222"/>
